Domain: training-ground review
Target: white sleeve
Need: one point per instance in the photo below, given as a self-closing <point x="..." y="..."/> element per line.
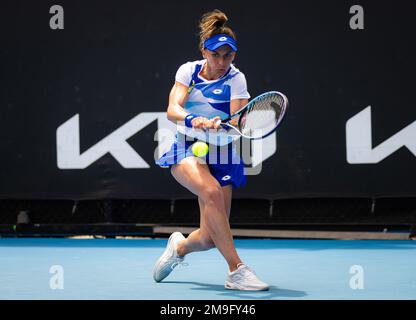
<point x="184" y="74"/>
<point x="239" y="87"/>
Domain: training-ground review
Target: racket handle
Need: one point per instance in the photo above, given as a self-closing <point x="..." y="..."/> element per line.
<point x="218" y="122"/>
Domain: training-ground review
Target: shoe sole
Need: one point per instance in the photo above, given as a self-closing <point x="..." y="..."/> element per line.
<point x="159" y="261"/>
<point x="230" y="286"/>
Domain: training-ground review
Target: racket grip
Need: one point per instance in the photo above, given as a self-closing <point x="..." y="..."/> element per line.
<point x="218" y="122"/>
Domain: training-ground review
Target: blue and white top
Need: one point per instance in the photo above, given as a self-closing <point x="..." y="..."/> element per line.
<point x="210" y="98"/>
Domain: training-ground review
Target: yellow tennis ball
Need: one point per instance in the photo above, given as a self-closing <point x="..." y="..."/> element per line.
<point x="200" y="149"/>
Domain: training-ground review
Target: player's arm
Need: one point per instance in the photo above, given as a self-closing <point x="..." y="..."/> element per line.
<point x="235" y="105"/>
<point x="177" y="99"/>
<point x="176" y="112"/>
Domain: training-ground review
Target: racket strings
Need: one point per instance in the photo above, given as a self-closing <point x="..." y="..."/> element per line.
<point x="263" y="116"/>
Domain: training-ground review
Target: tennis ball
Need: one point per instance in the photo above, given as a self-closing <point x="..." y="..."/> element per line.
<point x="200" y="149"/>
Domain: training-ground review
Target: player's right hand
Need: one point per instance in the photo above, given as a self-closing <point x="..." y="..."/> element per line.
<point x="205" y="123"/>
<point x="199" y="123"/>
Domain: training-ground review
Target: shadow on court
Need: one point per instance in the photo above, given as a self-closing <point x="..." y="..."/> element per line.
<point x="273" y="293"/>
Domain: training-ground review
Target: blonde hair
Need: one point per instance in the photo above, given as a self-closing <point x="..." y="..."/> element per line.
<point x="212" y="23"/>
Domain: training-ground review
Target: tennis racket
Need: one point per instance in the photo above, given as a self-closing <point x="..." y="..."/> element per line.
<point x="260" y="117"/>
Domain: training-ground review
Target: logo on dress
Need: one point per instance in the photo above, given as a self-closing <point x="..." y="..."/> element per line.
<point x="217" y="91"/>
<point x="225" y="178"/>
<point x="222" y="39"/>
<point x="191" y="87"/>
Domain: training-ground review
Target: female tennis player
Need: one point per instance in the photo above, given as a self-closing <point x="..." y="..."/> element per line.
<point x="205" y="91"/>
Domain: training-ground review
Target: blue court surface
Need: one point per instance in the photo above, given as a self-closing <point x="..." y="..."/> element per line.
<point x="59" y="268"/>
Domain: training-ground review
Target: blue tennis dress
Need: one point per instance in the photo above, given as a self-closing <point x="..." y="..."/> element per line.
<point x="210" y="98"/>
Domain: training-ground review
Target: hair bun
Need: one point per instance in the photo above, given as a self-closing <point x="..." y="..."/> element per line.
<point x="220" y="17"/>
<point x="213" y="23"/>
<point x="215" y="19"/>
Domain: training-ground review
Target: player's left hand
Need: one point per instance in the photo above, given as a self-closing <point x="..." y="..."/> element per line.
<point x="212" y="123"/>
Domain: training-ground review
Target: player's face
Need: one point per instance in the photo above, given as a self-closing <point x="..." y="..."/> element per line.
<point x="219" y="61"/>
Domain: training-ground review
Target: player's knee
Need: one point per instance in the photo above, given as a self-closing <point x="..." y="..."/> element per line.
<point x="212" y="195"/>
<point x="207" y="243"/>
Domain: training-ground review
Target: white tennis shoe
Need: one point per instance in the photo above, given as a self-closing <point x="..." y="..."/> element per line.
<point x="169" y="259"/>
<point x="244" y="279"/>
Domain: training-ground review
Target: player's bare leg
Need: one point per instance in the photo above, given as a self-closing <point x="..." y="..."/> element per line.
<point x="197" y="178"/>
<point x="200" y="240"/>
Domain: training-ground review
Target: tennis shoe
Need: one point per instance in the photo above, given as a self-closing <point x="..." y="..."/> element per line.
<point x="244" y="279"/>
<point x="169" y="259"/>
